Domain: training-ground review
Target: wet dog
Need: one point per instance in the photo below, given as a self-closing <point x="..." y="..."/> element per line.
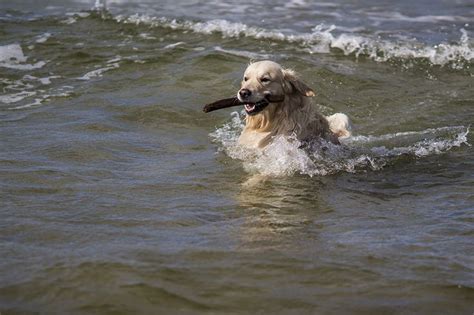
<point x="277" y="103"/>
<point x="291" y="114"/>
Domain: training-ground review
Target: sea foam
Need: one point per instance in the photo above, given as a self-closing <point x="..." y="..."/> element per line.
<point x="324" y="39"/>
<point x="12" y="57"/>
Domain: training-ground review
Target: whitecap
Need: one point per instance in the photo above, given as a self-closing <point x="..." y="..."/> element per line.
<point x="43" y="38"/>
<point x="45" y="97"/>
<point x="37" y="102"/>
<point x="323" y="39"/>
<point x="79" y="14"/>
<point x="12" y="57"/>
<point x="16" y="97"/>
<point x="47" y="80"/>
<point x="11" y="53"/>
<point x="397" y="16"/>
<point x="147" y="36"/>
<point x="70" y="20"/>
<point x="43" y="81"/>
<point x="115" y="60"/>
<point x="98" y="72"/>
<point x="296" y="4"/>
<point x="100" y="5"/>
<point x="174" y="45"/>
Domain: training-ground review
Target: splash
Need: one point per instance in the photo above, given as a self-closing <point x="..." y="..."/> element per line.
<point x="286" y="156"/>
<point x="323" y="39"/>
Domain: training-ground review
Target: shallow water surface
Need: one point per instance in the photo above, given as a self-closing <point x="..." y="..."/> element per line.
<point x="119" y="195"/>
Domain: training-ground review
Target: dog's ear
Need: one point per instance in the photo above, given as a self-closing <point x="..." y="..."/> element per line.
<point x="292" y="82"/>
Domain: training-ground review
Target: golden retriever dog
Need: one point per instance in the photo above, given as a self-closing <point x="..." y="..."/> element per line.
<point x="277" y="103"/>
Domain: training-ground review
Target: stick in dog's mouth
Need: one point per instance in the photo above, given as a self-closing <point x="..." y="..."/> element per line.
<point x="250" y="108"/>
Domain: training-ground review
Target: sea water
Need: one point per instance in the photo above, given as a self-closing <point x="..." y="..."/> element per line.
<point x="119" y="195"/>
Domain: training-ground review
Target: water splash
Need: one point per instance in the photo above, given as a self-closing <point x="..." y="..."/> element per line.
<point x="286" y="156"/>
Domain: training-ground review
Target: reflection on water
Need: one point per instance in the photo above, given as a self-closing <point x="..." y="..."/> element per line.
<point x="277" y="210"/>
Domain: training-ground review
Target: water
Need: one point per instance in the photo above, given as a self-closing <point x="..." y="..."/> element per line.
<point x="118" y="195"/>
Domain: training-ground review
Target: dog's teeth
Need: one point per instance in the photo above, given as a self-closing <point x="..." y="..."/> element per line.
<point x="249" y="107"/>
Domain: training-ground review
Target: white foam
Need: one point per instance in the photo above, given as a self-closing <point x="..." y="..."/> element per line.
<point x="226" y="28"/>
<point x="397" y="16"/>
<point x="11" y="53"/>
<point x="284" y="156"/>
<point x="98" y="72"/>
<point x="296" y="4"/>
<point x="100" y="5"/>
<point x="15" y="97"/>
<point x="12" y="57"/>
<point x="44" y="97"/>
<point x="115" y="60"/>
<point x="323" y="39"/>
<point x="70" y="20"/>
<point x="79" y="14"/>
<point x="171" y="46"/>
<point x="43" y="81"/>
<point x="147" y="36"/>
<point x="433" y="141"/>
<point x="43" y="38"/>
<point x="47" y="80"/>
<point x="37" y="102"/>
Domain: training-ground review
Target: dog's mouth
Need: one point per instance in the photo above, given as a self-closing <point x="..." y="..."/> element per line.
<point x="254" y="108"/>
<point x="250" y="108"/>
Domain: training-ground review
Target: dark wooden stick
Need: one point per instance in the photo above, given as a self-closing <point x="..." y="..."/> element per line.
<point x="234" y="101"/>
<point x="227" y="102"/>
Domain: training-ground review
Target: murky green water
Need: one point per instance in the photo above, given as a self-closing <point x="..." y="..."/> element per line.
<point x="119" y="196"/>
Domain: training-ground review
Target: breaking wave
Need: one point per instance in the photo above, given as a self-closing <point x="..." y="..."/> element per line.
<point x="286" y="156"/>
<point x="323" y="39"/>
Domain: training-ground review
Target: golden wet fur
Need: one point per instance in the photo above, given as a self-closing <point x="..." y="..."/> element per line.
<point x="294" y="115"/>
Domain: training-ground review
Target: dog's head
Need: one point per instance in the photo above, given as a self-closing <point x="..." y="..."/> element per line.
<point x="266" y="82"/>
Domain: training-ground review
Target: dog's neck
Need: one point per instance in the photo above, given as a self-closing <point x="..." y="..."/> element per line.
<point x="282" y="118"/>
<point x="262" y="122"/>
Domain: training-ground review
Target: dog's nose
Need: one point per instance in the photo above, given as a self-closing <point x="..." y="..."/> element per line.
<point x="244" y="93"/>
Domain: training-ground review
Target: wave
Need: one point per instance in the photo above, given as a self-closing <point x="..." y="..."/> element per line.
<point x="111" y="64"/>
<point x="323" y="39"/>
<point x="285" y="156"/>
<point x="30" y="91"/>
<point x="397" y="16"/>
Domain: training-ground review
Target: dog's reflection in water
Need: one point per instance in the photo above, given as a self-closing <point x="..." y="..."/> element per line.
<point x="279" y="211"/>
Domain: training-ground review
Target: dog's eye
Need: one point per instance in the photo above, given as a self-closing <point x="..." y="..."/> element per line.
<point x="265" y="80"/>
<point x="246" y="79"/>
